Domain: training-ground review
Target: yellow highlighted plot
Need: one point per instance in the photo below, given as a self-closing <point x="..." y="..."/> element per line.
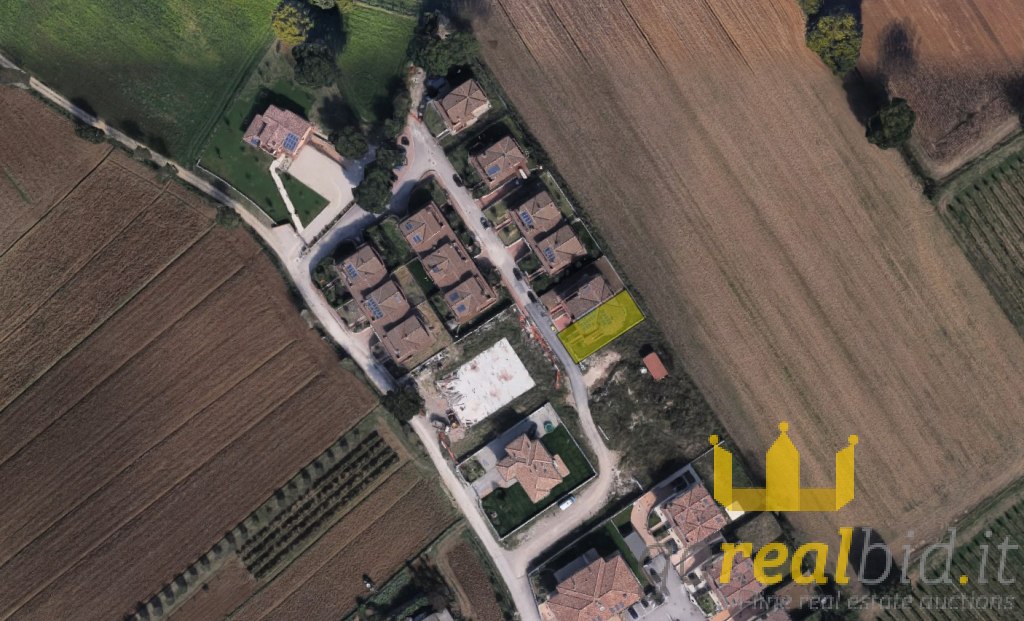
<point x="601" y="326"/>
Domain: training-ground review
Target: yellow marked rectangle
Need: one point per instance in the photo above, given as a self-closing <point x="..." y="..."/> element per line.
<point x="601" y="326"/>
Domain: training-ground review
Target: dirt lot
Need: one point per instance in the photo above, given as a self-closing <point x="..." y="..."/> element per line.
<point x="959" y="64"/>
<point x="33" y="180"/>
<point x="796" y="268"/>
<point x="460" y="562"/>
<point x="157" y="386"/>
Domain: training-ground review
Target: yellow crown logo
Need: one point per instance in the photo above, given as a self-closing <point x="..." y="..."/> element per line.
<point x="782" y="490"/>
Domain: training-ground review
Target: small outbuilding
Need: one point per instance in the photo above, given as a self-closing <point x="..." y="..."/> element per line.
<point x="655" y="367"/>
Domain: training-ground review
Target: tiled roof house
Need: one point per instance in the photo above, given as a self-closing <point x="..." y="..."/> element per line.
<point x="385" y="305"/>
<point x="362" y="270"/>
<point x="599" y="591"/>
<point x="500" y="162"/>
<point x="547" y="233"/>
<point x="559" y="249"/>
<point x="529" y="462"/>
<point x="470" y="297"/>
<point x="424" y="228"/>
<point x="278" y="132"/>
<point x="463" y="106"/>
<point x="581" y="293"/>
<point x="694" y="516"/>
<point x="406" y="338"/>
<point x="742" y="587"/>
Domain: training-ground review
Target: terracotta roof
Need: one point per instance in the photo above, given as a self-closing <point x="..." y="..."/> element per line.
<point x="742" y="586"/>
<point x="464" y="105"/>
<point x="778" y="615"/>
<point x="468" y="298"/>
<point x="500" y="161"/>
<point x="584" y="294"/>
<point x="538" y="215"/>
<point x="694" y="515"/>
<point x="385" y="305"/>
<point x="559" y="249"/>
<point x="362" y="270"/>
<point x="424" y="228"/>
<point x="529" y="462"/>
<point x="599" y="591"/>
<point x="655" y="367"/>
<point x="447" y="265"/>
<point x="407" y="338"/>
<point x="278" y="131"/>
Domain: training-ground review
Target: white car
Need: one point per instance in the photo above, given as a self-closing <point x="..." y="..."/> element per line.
<point x="566" y="502"/>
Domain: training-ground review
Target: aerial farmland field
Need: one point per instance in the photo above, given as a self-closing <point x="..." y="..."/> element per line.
<point x="797" y="270"/>
<point x="158" y="69"/>
<point x="158" y="384"/>
<point x="959" y="66"/>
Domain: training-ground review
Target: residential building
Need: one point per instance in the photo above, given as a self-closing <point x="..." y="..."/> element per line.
<point x="693" y="516"/>
<point x="559" y="249"/>
<point x="425" y="228"/>
<point x="469" y="298"/>
<point x="742" y="587"/>
<point x="655" y="367"/>
<point x="362" y="270"/>
<point x="385" y="305"/>
<point x="581" y="293"/>
<point x="406" y="338"/>
<point x="500" y="162"/>
<point x="447" y="263"/>
<point x="530" y="463"/>
<point x="547" y="233"/>
<point x="463" y="106"/>
<point x="278" y="132"/>
<point x="600" y="590"/>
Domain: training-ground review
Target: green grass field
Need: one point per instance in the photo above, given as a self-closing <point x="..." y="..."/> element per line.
<point x="160" y="70"/>
<point x="372" y="60"/>
<point x="601" y="326"/>
<point x="246" y="168"/>
<point x="513" y="507"/>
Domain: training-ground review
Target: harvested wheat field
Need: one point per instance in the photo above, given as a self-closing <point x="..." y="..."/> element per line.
<point x="156" y="382"/>
<point x="461" y="564"/>
<point x="795" y="267"/>
<point x="959" y="64"/>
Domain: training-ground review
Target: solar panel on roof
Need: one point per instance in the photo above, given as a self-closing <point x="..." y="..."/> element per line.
<point x="417" y="239"/>
<point x="352" y="272"/>
<point x="526" y="218"/>
<point x="461" y="308"/>
<point x="493" y="170"/>
<point x="453" y="296"/>
<point x="291" y="141"/>
<point x="550" y="254"/>
<point x="374" y="309"/>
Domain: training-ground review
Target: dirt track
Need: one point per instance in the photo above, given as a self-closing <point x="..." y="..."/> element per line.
<point x="796" y="267"/>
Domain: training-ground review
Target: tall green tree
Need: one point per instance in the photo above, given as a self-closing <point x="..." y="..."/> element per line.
<point x="291" y="22"/>
<point x="315" y="65"/>
<point x="836" y="39"/>
<point x="437" y="56"/>
<point x="809" y="7"/>
<point x="351" y="143"/>
<point x="892" y="125"/>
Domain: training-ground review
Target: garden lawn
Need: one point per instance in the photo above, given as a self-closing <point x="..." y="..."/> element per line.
<point x="513" y="507"/>
<point x="372" y="60"/>
<point x="161" y="70"/>
<point x="247" y="168"/>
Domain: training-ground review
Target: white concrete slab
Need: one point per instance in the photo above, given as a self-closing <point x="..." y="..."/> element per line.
<point x="486" y="383"/>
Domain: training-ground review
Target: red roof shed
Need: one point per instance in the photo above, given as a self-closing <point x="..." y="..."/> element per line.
<point x="655" y="366"/>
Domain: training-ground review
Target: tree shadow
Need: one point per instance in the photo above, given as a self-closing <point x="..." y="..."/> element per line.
<point x="83" y="103"/>
<point x="871" y="559"/>
<point x="384" y="105"/>
<point x="335" y="115"/>
<point x="328" y="29"/>
<point x="266" y="98"/>
<point x="1013" y="89"/>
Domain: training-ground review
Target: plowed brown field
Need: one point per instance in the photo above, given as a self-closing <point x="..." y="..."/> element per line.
<point x="959" y="64"/>
<point x="156" y="384"/>
<point x="795" y="267"/>
<point x="33" y="179"/>
<point x="462" y="561"/>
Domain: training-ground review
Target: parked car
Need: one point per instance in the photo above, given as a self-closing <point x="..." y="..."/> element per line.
<point x="457" y="179"/>
<point x="517" y="273"/>
<point x="405" y="141"/>
<point x="566" y="502"/>
<point x="484" y="222"/>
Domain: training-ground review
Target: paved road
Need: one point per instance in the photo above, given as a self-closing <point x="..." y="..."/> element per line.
<point x="426" y="156"/>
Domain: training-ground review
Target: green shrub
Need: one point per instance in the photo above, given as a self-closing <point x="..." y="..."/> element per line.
<point x="291" y="22"/>
<point x="351" y="143"/>
<point x="892" y="125"/>
<point x="836" y="39"/>
<point x="809" y="7"/>
<point x="314" y="65"/>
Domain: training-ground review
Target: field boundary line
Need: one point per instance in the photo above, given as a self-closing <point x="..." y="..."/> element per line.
<point x="56" y="202"/>
<point x="128" y="359"/>
<point x="99" y="323"/>
<point x="202" y="408"/>
<point x="89" y="259"/>
<point x="173" y="485"/>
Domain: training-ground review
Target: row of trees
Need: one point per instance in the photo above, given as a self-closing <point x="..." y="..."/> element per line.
<point x="837" y="37"/>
